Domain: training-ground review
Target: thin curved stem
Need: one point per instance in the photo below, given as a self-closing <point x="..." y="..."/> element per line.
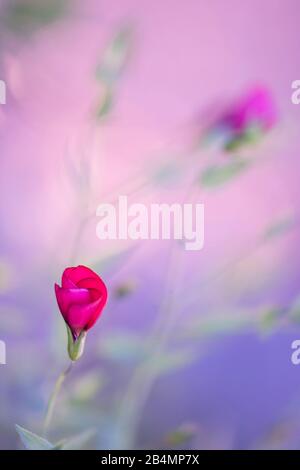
<point x="53" y="398"/>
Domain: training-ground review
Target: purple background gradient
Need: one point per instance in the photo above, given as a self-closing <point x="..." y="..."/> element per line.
<point x="242" y="391"/>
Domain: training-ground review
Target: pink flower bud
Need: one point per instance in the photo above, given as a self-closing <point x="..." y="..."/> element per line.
<point x="245" y="121"/>
<point x="81" y="299"/>
<point x="256" y="108"/>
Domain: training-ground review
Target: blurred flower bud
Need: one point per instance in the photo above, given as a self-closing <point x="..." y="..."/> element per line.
<point x="246" y="120"/>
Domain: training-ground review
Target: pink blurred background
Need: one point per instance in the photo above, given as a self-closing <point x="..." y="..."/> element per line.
<point x="187" y="57"/>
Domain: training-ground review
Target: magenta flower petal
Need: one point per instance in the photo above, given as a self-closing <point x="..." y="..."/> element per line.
<point x="83" y="317"/>
<point x="80" y="272"/>
<point x="256" y="108"/>
<point x="81" y="298"/>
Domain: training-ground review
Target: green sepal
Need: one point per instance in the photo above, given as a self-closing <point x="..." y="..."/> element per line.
<point x="75" y="346"/>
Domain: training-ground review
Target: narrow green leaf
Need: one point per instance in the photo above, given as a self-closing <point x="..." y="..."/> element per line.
<point x="76" y="442"/>
<point x="215" y="176"/>
<point x="270" y="319"/>
<point x="106" y="104"/>
<point x="32" y="441"/>
<point x="279" y="227"/>
<point x="115" y="56"/>
<point x="251" y="136"/>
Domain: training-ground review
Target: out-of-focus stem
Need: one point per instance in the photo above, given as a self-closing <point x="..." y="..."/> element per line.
<point x="53" y="398"/>
<point x="146" y="373"/>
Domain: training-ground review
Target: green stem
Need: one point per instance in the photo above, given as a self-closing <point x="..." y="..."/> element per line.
<point x="53" y="398"/>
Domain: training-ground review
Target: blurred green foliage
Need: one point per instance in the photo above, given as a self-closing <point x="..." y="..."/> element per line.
<point x="182" y="435"/>
<point x="218" y="175"/>
<point x="26" y="16"/>
<point x="109" y="69"/>
<point x="33" y="441"/>
<point x="280" y="227"/>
